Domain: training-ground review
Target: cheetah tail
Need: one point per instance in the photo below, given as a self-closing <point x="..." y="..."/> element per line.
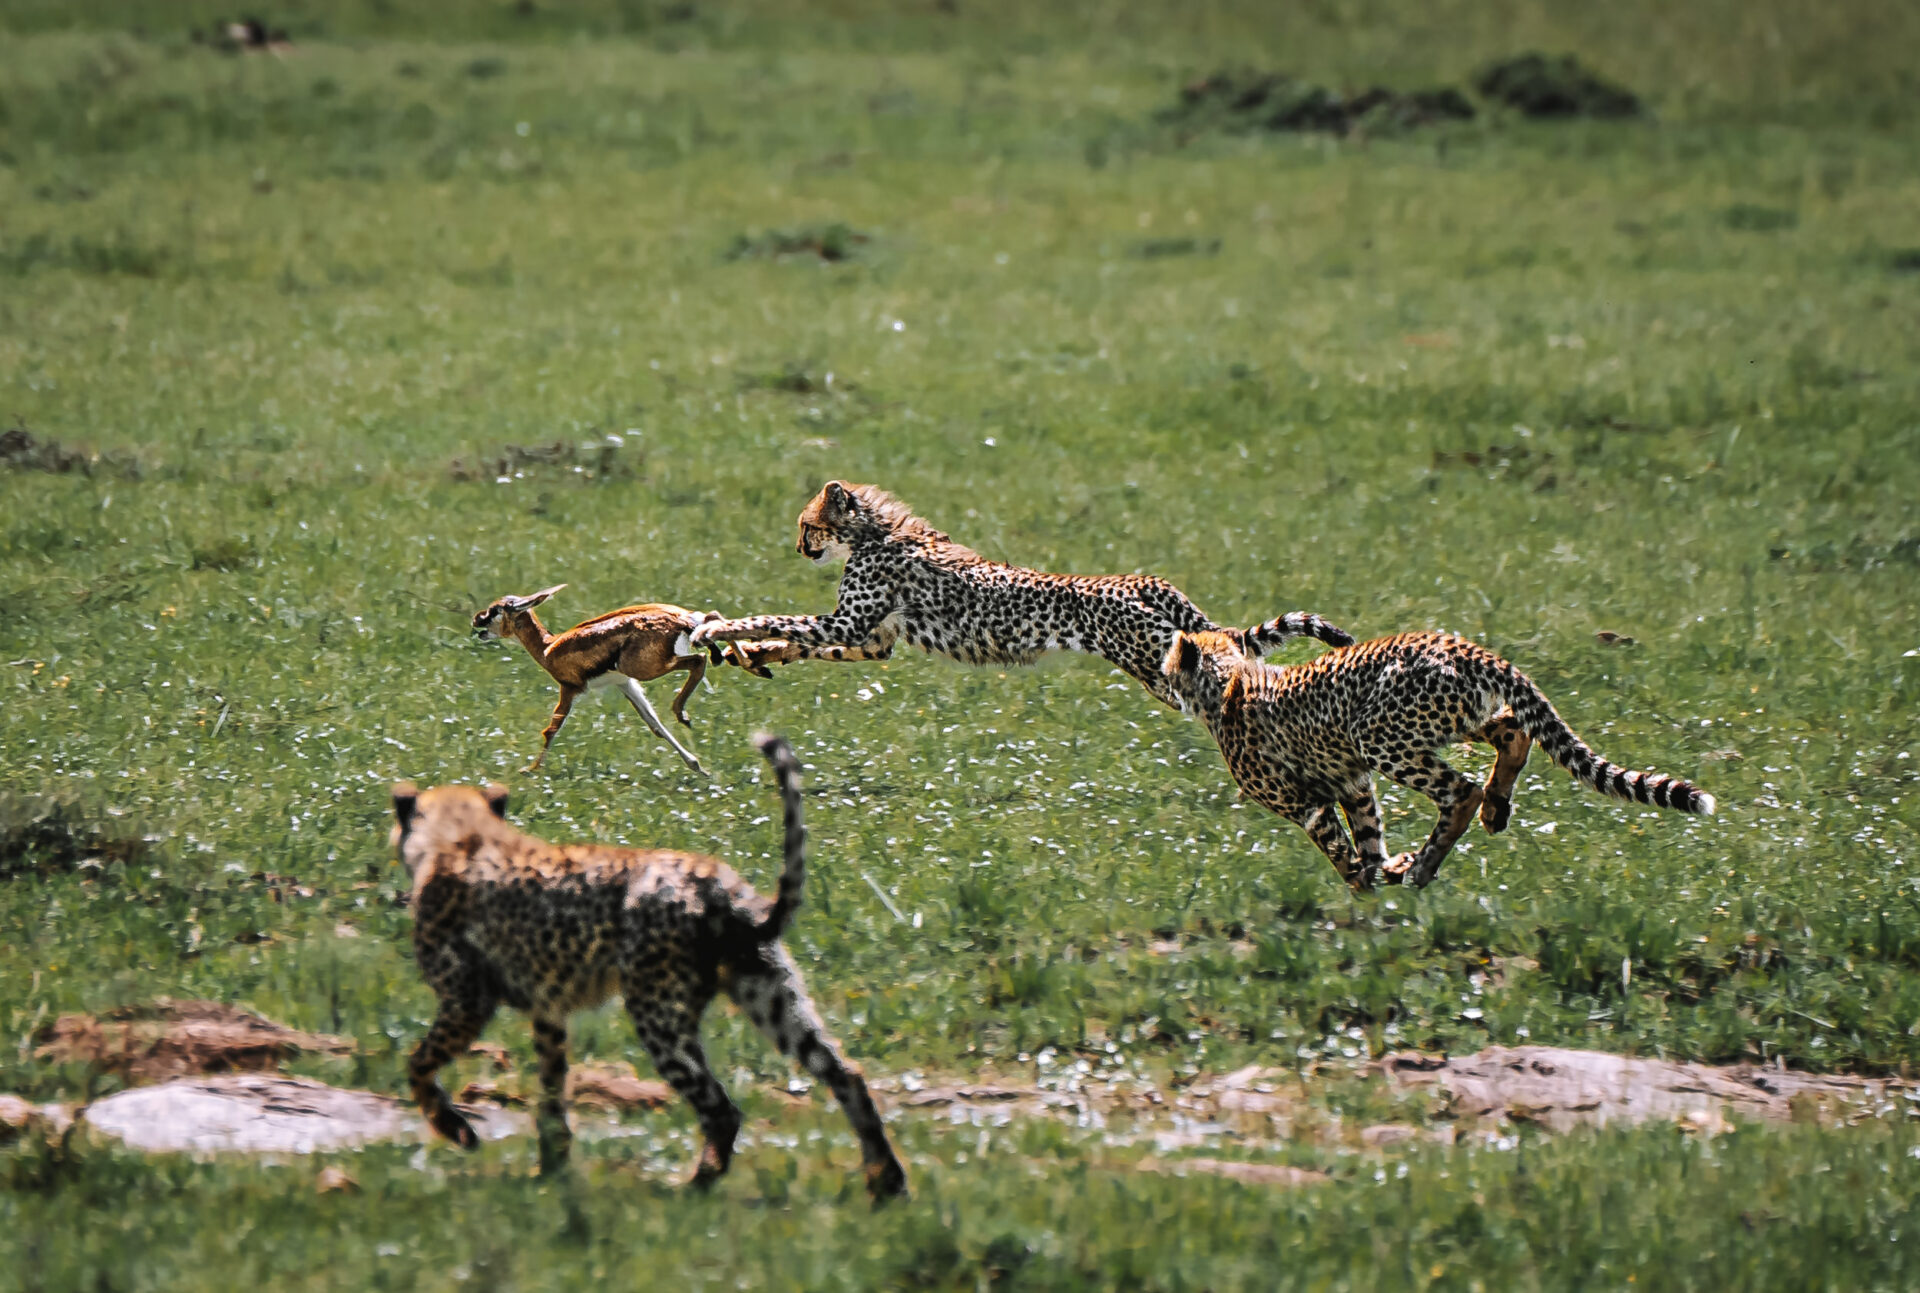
<point x="1262" y="638"/>
<point x="793" y="872"/>
<point x="1538" y="717"/>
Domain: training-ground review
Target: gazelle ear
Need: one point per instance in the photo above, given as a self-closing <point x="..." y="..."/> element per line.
<point x="530" y="602"/>
<point x="406" y="798"/>
<point x="497" y="799"/>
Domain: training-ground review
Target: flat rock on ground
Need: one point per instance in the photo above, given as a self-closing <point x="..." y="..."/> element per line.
<point x="1558" y="1088"/>
<point x="264" y="1114"/>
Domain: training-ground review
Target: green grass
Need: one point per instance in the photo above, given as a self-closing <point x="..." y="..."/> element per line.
<point x="1527" y="382"/>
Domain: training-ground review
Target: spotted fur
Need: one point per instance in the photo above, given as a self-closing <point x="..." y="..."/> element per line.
<point x="504" y="918"/>
<point x="905" y="579"/>
<point x="1306" y="740"/>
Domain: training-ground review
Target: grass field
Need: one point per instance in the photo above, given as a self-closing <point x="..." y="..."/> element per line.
<point x="333" y="349"/>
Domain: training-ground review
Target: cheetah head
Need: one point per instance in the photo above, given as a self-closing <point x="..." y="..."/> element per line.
<point x="826" y="523"/>
<point x="1197" y="668"/>
<point x="503" y="614"/>
<point x="427" y="822"/>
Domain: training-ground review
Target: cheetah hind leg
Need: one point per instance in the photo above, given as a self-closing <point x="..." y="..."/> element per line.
<point x="670" y="1030"/>
<point x="1511" y="746"/>
<point x="769" y="990"/>
<point x="1457" y="799"/>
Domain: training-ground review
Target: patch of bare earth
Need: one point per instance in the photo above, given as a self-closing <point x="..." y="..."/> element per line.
<point x="216" y="1091"/>
<point x="168" y="1039"/>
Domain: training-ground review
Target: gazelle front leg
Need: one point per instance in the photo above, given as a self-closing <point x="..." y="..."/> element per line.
<point x="652" y="720"/>
<point x="560" y="710"/>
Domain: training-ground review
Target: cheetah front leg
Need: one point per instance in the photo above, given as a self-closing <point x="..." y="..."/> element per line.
<point x="1456" y="798"/>
<point x="550" y="1048"/>
<point x="1322" y="825"/>
<point x="1363" y="819"/>
<point x="1511" y="746"/>
<point x="455" y="1028"/>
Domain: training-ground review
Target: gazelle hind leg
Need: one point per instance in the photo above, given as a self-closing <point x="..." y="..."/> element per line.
<point x="652" y="720"/>
<point x="773" y="996"/>
<point x="1455" y="796"/>
<point x="1511" y="746"/>
<point x="1322" y="825"/>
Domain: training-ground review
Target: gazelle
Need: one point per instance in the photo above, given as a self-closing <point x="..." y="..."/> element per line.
<point x="623" y="649"/>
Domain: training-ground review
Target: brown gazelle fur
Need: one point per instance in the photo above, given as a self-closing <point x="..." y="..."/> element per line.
<point x="622" y="648"/>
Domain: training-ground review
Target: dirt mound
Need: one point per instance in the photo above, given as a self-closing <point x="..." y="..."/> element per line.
<point x="1241" y="101"/>
<point x="1559" y="1088"/>
<point x="20" y="1117"/>
<point x="614" y="1086"/>
<point x="267" y="1114"/>
<point x="1539" y="86"/>
<point x="1246" y="1173"/>
<point x="168" y="1039"/>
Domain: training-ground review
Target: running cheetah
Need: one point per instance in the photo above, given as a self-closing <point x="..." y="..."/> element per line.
<point x="553" y="928"/>
<point x="905" y="578"/>
<point x="1305" y="739"/>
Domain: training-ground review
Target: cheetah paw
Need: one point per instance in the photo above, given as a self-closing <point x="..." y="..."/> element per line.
<point x="1495" y="812"/>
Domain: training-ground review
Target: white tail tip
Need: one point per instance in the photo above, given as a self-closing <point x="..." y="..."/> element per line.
<point x="1708" y="804"/>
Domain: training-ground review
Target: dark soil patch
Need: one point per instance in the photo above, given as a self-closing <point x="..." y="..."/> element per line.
<point x="44" y="834"/>
<point x="604" y="459"/>
<point x="831" y="243"/>
<point x="1748" y="218"/>
<point x="1162" y="248"/>
<point x="1537" y="85"/>
<point x="1240" y="102"/>
<point x="792" y="379"/>
<point x="84" y="254"/>
<point x="21" y="450"/>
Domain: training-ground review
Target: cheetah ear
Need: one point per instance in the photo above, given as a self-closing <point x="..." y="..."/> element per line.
<point x="406" y="799"/>
<point x="837" y="494"/>
<point x="1186" y="655"/>
<point x="497" y="800"/>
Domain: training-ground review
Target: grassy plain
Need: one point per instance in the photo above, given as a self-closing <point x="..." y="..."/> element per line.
<point x="1525" y="381"/>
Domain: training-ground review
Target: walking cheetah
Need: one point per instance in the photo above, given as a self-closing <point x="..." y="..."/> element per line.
<point x="553" y="928"/>
<point x="905" y="578"/>
<point x="1305" y="739"/>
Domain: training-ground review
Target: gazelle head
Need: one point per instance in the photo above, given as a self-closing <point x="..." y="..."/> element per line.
<point x="505" y="613"/>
